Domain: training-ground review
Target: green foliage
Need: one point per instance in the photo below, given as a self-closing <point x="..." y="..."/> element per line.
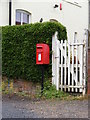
<point x="0" y="50"/>
<point x="50" y="91"/>
<point x="19" y="49"/>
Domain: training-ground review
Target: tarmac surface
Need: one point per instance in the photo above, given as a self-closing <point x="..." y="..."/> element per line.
<point x="18" y="107"/>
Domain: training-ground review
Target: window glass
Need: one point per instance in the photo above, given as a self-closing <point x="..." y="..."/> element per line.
<point x="28" y="18"/>
<point x="18" y="18"/>
<point x="22" y="17"/>
<point x="25" y="18"/>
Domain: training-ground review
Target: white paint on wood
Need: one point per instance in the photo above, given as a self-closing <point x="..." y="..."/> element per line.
<point x="81" y="67"/>
<point x="54" y="40"/>
<point x="53" y="59"/>
<point x="69" y="66"/>
<point x="61" y="64"/>
<point x="77" y="81"/>
<point x="65" y="68"/>
<point x="57" y="64"/>
<point x="70" y="86"/>
<point x="76" y="66"/>
<point x="84" y="80"/>
<point x="72" y="67"/>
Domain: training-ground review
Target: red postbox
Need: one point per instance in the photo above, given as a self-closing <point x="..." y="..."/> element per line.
<point x="42" y="53"/>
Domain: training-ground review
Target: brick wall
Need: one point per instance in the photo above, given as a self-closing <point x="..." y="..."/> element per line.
<point x="88" y="72"/>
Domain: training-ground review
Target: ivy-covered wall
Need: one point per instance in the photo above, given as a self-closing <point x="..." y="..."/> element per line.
<point x="19" y="49"/>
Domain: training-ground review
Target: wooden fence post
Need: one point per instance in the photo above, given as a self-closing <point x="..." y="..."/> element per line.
<point x="85" y="62"/>
<point x="57" y="59"/>
<point x="54" y="39"/>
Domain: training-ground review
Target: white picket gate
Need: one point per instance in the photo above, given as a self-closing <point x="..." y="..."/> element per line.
<point x="69" y="65"/>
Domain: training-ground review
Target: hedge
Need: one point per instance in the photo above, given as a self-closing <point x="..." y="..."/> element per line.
<point x="19" y="49"/>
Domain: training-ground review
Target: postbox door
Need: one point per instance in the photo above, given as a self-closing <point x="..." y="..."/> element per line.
<point x="42" y="54"/>
<point x="39" y="54"/>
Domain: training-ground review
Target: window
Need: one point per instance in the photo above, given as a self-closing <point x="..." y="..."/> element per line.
<point x="22" y="17"/>
<point x="53" y="20"/>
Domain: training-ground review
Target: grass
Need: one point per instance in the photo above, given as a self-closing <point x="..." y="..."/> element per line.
<point x="49" y="92"/>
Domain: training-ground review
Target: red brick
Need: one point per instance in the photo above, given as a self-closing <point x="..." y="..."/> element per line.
<point x="88" y="71"/>
<point x="88" y="89"/>
<point x="88" y="84"/>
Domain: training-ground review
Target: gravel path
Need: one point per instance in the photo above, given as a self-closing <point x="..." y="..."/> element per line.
<point x="17" y="107"/>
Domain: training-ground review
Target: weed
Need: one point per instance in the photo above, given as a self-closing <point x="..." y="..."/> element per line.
<point x="50" y="91"/>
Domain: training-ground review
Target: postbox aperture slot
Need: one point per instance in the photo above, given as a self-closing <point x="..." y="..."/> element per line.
<point x="39" y="47"/>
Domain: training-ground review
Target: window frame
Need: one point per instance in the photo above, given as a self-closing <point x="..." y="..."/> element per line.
<point x="22" y="12"/>
<point x="53" y="20"/>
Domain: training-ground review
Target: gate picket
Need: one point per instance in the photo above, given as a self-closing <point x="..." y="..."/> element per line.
<point x="76" y="67"/>
<point x="81" y="68"/>
<point x="72" y="67"/>
<point x="65" y="68"/>
<point x="69" y="68"/>
<point x="61" y="65"/>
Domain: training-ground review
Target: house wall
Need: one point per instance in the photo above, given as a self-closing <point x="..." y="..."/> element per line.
<point x="73" y="17"/>
<point x="4" y="12"/>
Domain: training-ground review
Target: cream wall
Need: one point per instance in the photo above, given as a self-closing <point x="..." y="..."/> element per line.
<point x="74" y="18"/>
<point x="38" y="10"/>
<point x="4" y="13"/>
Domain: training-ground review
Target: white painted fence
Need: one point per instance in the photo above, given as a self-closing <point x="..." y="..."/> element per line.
<point x="69" y="65"/>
